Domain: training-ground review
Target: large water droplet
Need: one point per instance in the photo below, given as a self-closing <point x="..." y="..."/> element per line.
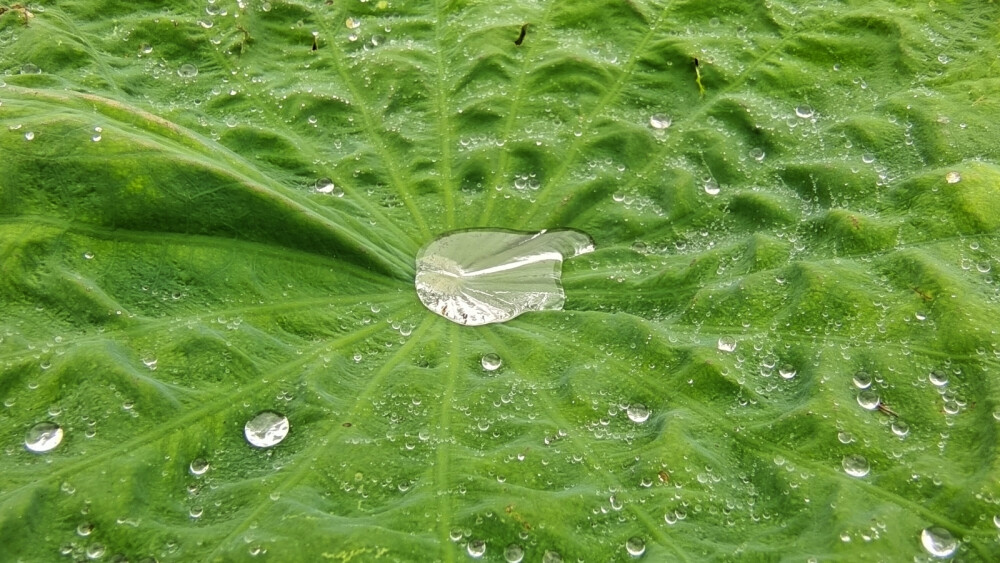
<point x="187" y="70"/>
<point x="486" y="276"/>
<point x="804" y="111"/>
<point x="938" y="377"/>
<point x="953" y="177"/>
<point x="43" y="437"/>
<point x="476" y="548"/>
<point x="635" y="546"/>
<point x="491" y="362"/>
<point x="868" y="399"/>
<point x="266" y="429"/>
<point x="938" y="541"/>
<point x="637" y="413"/>
<point x="514" y="553"/>
<point x="198" y="466"/>
<point x="862" y="380"/>
<point x="727" y="344"/>
<point x="856" y="465"/>
<point x="659" y="121"/>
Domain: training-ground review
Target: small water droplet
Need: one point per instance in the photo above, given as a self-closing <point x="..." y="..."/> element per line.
<point x="938" y="541"/>
<point x="187" y="70"/>
<point x="196" y="512"/>
<point x="43" y="437"/>
<point x="88" y="255"/>
<point x="491" y="362"/>
<point x="856" y="465"/>
<point x="787" y="371"/>
<point x="757" y="154"/>
<point x="637" y="413"/>
<point x="476" y="548"/>
<point x="938" y="377"/>
<point x="953" y="177"/>
<point x="84" y="529"/>
<point x="659" y="121"/>
<point x="900" y="428"/>
<point x="804" y="111"/>
<point x="146" y="48"/>
<point x="28" y="68"/>
<point x="551" y="557"/>
<point x="95" y="551"/>
<point x="352" y="23"/>
<point x="711" y="187"/>
<point x="845" y="437"/>
<point x="862" y="380"/>
<point x="29" y="136"/>
<point x="727" y="344"/>
<point x="198" y="467"/>
<point x="514" y="553"/>
<point x="635" y="546"/>
<point x="868" y="399"/>
<point x="267" y="429"/>
<point x="326" y="186"/>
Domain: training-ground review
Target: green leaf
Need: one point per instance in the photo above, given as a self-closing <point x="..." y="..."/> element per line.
<point x="184" y="247"/>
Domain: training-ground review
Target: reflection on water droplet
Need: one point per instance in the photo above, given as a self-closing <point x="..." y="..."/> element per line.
<point x="476" y="548"/>
<point x="787" y="371"/>
<point x="635" y="546"/>
<point x="855" y="465"/>
<point x="900" y="428"/>
<point x="996" y="520"/>
<point x="187" y="70"/>
<point x="43" y="437"/>
<point x="659" y="121"/>
<point x="804" y="111"/>
<point x="84" y="529"/>
<point x="637" y="413"/>
<point x="146" y="48"/>
<point x="513" y="554"/>
<point x="551" y="557"/>
<point x="712" y="187"/>
<point x="198" y="467"/>
<point x="862" y="380"/>
<point x="491" y="362"/>
<point x="88" y="255"/>
<point x="938" y="541"/>
<point x="938" y="377"/>
<point x="953" y="177"/>
<point x="727" y="344"/>
<point x="483" y="276"/>
<point x="868" y="399"/>
<point x="266" y="429"/>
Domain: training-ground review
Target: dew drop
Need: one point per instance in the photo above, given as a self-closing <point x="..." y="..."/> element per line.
<point x="637" y="413"/>
<point x="900" y="428"/>
<point x="514" y="553"/>
<point x="491" y="362"/>
<point x="476" y="548"/>
<point x="804" y="111"/>
<point x="856" y="465"/>
<point x="551" y="557"/>
<point x="84" y="529"/>
<point x="712" y="187"/>
<point x="146" y="48"/>
<point x="862" y="380"/>
<point x="757" y="154"/>
<point x="352" y="23"/>
<point x="28" y="68"/>
<point x="938" y="541"/>
<point x="43" y="437"/>
<point x="787" y="371"/>
<point x="635" y="546"/>
<point x="868" y="399"/>
<point x="196" y="512"/>
<point x="266" y="429"/>
<point x="95" y="551"/>
<point x="88" y="255"/>
<point x="29" y="136"/>
<point x="953" y="177"/>
<point x="187" y="70"/>
<point x="198" y="467"/>
<point x="938" y="377"/>
<point x="659" y="121"/>
<point x="727" y="344"/>
<point x="326" y="186"/>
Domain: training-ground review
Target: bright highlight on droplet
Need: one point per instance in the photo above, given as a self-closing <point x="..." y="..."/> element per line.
<point x="938" y="541"/>
<point x="491" y="362"/>
<point x="267" y="429"/>
<point x="484" y="276"/>
<point x="43" y="437"/>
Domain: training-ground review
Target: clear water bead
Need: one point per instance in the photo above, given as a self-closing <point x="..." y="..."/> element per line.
<point x="856" y="465"/>
<point x="513" y="554"/>
<point x="868" y="399"/>
<point x="491" y="362"/>
<point x="862" y="380"/>
<point x="635" y="546"/>
<point x="326" y="186"/>
<point x="938" y="377"/>
<point x="551" y="557"/>
<point x="187" y="70"/>
<point x="483" y="276"/>
<point x="938" y="541"/>
<point x="804" y="111"/>
<point x="198" y="467"/>
<point x="659" y="121"/>
<point x="953" y="177"/>
<point x="43" y="437"/>
<point x="476" y="548"/>
<point x="267" y="429"/>
<point x="637" y="413"/>
<point x="727" y="344"/>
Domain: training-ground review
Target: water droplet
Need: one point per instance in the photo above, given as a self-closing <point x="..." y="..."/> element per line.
<point x="96" y="137"/>
<point x="804" y="111"/>
<point x="95" y="551"/>
<point x="352" y="23"/>
<point x="482" y="276"/>
<point x="84" y="529"/>
<point x="29" y="136"/>
<point x="514" y="553"/>
<point x="711" y="187"/>
<point x="635" y="546"/>
<point x="43" y="437"/>
<point x="187" y="70"/>
<point x="953" y="177"/>
<point x="938" y="541"/>
<point x="845" y="437"/>
<point x="146" y="48"/>
<point x="867" y="158"/>
<point x="868" y="399"/>
<point x="900" y="428"/>
<point x="757" y="154"/>
<point x="196" y="512"/>
<point x="862" y="380"/>
<point x="266" y="429"/>
<point x="476" y="548"/>
<point x="491" y="362"/>
<point x="28" y="68"/>
<point x="637" y="413"/>
<point x="787" y="371"/>
<point x="88" y="255"/>
<point x="727" y="344"/>
<point x="856" y="465"/>
<point x="996" y="520"/>
<point x="551" y="557"/>
<point x="659" y="121"/>
<point x="326" y="186"/>
<point x="198" y="467"/>
<point x="938" y="377"/>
